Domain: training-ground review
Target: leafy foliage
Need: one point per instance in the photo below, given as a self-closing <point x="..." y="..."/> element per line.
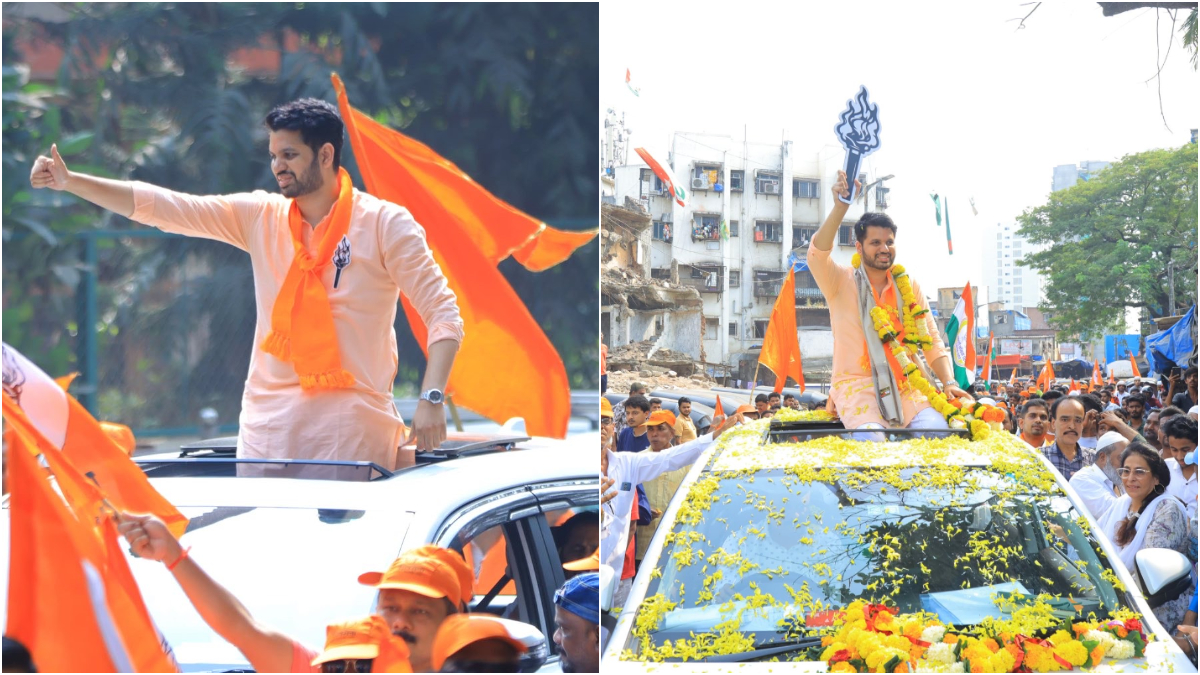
<point x="174" y="94"/>
<point x="1110" y="240"/>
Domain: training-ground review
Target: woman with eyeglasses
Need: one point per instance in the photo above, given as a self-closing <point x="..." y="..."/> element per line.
<point x="1147" y="516"/>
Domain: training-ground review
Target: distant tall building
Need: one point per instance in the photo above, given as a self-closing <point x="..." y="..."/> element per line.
<point x="1067" y="175"/>
<point x="1015" y="285"/>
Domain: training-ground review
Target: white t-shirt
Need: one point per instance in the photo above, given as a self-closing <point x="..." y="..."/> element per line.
<point x="628" y="469"/>
<point x="1095" y="489"/>
<point x="1183" y="488"/>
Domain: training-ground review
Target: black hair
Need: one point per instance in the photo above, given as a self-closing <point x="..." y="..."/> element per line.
<point x="1169" y="412"/>
<point x="317" y="121"/>
<point x="656" y="400"/>
<point x="772" y="395"/>
<point x="1090" y="403"/>
<point x="1060" y="401"/>
<point x="17" y="657"/>
<point x="1035" y="403"/>
<point x="636" y="387"/>
<point x="1179" y="426"/>
<point x="789" y="397"/>
<point x="1052" y="395"/>
<point x="872" y="220"/>
<point x="682" y="400"/>
<point x="639" y="402"/>
<point x="1189" y="372"/>
<point x="761" y="398"/>
<point x="1136" y="398"/>
<point x="1158" y="468"/>
<point x="582" y="519"/>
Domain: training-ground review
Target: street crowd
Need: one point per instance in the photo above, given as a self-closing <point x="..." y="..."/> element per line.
<point x="1127" y="448"/>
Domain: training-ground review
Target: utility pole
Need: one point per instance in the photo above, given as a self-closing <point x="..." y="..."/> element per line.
<point x="1171" y="287"/>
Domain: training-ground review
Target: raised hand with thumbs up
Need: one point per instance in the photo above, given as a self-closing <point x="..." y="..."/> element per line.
<point x="52" y="172"/>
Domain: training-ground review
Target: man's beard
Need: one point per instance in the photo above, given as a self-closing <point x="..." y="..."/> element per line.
<point x="883" y="267"/>
<point x="1110" y="472"/>
<point x="407" y="637"/>
<point x="567" y="666"/>
<point x="310" y="182"/>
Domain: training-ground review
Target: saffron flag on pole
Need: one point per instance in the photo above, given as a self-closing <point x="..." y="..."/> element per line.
<point x="718" y="410"/>
<point x="1097" y="378"/>
<point x="506" y="366"/>
<point x="1046" y="378"/>
<point x="68" y="426"/>
<point x="440" y="196"/>
<point x="663" y="171"/>
<point x="960" y="331"/>
<point x="781" y="345"/>
<point x="629" y="83"/>
<point x="1012" y="379"/>
<point x="68" y="570"/>
<point x="1133" y="365"/>
<point x="987" y="361"/>
<point x="1074" y="386"/>
<point x="949" y="242"/>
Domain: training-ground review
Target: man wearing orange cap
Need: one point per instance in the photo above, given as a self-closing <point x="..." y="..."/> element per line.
<point x="607" y="428"/>
<point x="476" y="644"/>
<point x="362" y="646"/>
<point x="417" y="592"/>
<point x="588" y="564"/>
<point x="625" y="470"/>
<point x="747" y="412"/>
<point x="660" y="490"/>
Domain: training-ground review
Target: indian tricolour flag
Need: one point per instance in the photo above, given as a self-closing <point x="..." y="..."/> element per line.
<point x="961" y="332"/>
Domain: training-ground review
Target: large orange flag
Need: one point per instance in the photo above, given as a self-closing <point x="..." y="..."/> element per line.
<point x="437" y="192"/>
<point x="506" y="366"/>
<point x="1046" y="377"/>
<point x="67" y="425"/>
<point x="781" y="346"/>
<point x="718" y="411"/>
<point x="1133" y="365"/>
<point x="1097" y="379"/>
<point x="72" y="600"/>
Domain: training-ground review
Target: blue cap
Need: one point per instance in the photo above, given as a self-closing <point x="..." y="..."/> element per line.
<point x="581" y="596"/>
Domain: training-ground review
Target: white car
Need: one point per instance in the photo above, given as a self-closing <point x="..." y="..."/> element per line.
<point x="292" y="549"/>
<point x="778" y="528"/>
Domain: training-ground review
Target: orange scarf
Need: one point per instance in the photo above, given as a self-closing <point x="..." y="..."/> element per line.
<point x="303" y="301"/>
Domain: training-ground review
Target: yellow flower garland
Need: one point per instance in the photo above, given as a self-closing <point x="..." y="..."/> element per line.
<point x="979" y="420"/>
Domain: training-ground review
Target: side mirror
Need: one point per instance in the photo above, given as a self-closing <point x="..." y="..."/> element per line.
<point x="608" y="587"/>
<point x="537" y="648"/>
<point x="1165" y="574"/>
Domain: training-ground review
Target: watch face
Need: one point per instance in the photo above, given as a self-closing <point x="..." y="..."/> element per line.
<point x="433" y="396"/>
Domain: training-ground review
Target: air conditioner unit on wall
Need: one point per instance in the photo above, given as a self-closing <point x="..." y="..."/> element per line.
<point x="699" y="183"/>
<point x="771" y="187"/>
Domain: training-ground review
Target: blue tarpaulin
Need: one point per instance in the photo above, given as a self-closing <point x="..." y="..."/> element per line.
<point x="797" y="264"/>
<point x="1174" y="346"/>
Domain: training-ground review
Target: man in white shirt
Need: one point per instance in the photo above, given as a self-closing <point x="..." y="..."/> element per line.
<point x="1095" y="483"/>
<point x="623" y="471"/>
<point x="1178" y="439"/>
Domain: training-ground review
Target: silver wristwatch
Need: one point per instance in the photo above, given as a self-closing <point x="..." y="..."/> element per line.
<point x="434" y="396"/>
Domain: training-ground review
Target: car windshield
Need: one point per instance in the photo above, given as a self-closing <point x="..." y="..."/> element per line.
<point x="295" y="570"/>
<point x="777" y="548"/>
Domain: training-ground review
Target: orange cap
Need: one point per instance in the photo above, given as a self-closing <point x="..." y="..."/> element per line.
<point x="588" y="564"/>
<point x="425" y="575"/>
<point x="460" y="630"/>
<point x="605" y="408"/>
<point x="368" y="638"/>
<point x="466" y="578"/>
<point x="747" y="408"/>
<point x="661" y="417"/>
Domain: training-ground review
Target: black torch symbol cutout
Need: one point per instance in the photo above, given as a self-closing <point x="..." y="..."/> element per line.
<point x="858" y="131"/>
<point x="341" y="258"/>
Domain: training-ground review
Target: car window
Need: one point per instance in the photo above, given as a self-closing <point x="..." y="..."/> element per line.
<point x="272" y="560"/>
<point x="787" y="548"/>
<point x="576" y="532"/>
<point x="487" y="554"/>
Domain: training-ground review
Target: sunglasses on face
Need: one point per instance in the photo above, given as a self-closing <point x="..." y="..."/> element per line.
<point x="1139" y="472"/>
<point x="606" y="420"/>
<point x="347" y="666"/>
<point x="457" y="666"/>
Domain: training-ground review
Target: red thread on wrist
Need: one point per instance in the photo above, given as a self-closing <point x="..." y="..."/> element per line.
<point x="178" y="560"/>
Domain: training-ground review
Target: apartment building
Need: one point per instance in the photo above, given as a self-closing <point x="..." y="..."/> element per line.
<point x="752" y="207"/>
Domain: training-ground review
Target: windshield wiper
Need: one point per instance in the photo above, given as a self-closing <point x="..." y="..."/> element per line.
<point x="769" y="649"/>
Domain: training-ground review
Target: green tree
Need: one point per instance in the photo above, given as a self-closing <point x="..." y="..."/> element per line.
<point x="153" y="92"/>
<point x="1109" y="241"/>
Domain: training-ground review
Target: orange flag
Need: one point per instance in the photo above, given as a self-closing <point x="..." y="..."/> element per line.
<point x="1012" y="380"/>
<point x="1074" y="386"/>
<point x="1133" y="364"/>
<point x="32" y="395"/>
<point x="506" y="366"/>
<point x="1097" y="379"/>
<point x="437" y="192"/>
<point x="1046" y="377"/>
<point x="72" y="600"/>
<point x="781" y="346"/>
<point x="719" y="411"/>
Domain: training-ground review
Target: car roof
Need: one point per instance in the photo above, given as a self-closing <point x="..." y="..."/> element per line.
<point x="538" y="462"/>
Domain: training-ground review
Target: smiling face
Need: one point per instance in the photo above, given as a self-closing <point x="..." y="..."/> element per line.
<point x="298" y="170"/>
<point x="1139" y="481"/>
<point x="1034" y="421"/>
<point x="1177" y="448"/>
<point x="878" y="248"/>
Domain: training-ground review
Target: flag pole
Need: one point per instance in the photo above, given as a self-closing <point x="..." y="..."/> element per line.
<point x="753" y="383"/>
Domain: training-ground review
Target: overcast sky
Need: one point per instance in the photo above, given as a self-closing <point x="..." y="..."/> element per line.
<point x="968" y="105"/>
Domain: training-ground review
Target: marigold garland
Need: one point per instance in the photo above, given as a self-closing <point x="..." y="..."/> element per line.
<point x="978" y="419"/>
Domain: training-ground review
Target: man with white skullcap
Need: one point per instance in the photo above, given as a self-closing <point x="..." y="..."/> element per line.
<point x="1096" y="484"/>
